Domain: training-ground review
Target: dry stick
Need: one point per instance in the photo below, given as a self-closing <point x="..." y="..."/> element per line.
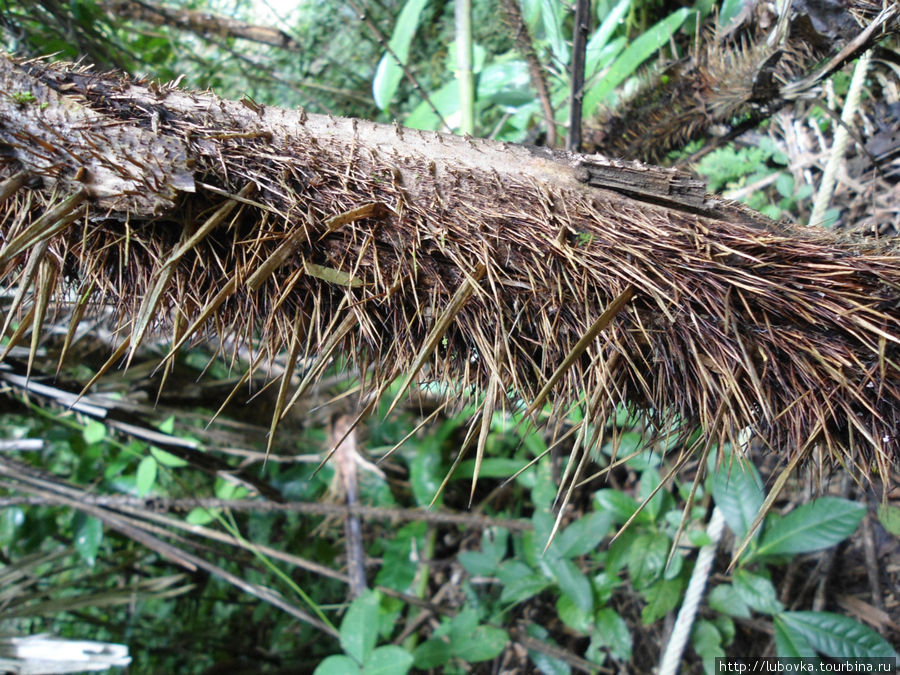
<point x="344" y="437"/>
<point x="576" y="94"/>
<point x="841" y="138"/>
<point x="263" y="506"/>
<point x="535" y="72"/>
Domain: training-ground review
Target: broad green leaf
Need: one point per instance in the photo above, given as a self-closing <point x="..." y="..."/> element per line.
<point x="201" y="515"/>
<point x="837" y="636"/>
<point x="494" y="542"/>
<point x="648" y="559"/>
<point x="432" y="653"/>
<point x="93" y="432"/>
<point x="573" y="583"/>
<point x="461" y="626"/>
<point x="650" y="479"/>
<point x="88" y="535"/>
<point x="168" y="459"/>
<point x="388" y="660"/>
<point x="618" y="505"/>
<point x="604" y="584"/>
<point x="572" y="615"/>
<point x="737" y="490"/>
<point x="597" y="44"/>
<point x="638" y="51"/>
<point x="584" y="535"/>
<point x="506" y="84"/>
<point x="168" y="425"/>
<point x="599" y="59"/>
<point x="724" y="598"/>
<point x="707" y="642"/>
<point x="757" y="592"/>
<point x="613" y="632"/>
<point x="729" y="10"/>
<point x="11" y="519"/>
<point x="889" y="517"/>
<point x="662" y="597"/>
<point x="552" y="18"/>
<point x="426" y="474"/>
<point x="389" y="73"/>
<point x="337" y="665"/>
<point x="790" y="643"/>
<point x="478" y="563"/>
<point x="814" y="526"/>
<point x="359" y="628"/>
<point x="483" y="644"/>
<point x="513" y="570"/>
<point x="145" y="476"/>
<point x="524" y="588"/>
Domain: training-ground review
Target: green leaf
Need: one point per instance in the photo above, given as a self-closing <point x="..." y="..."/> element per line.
<point x="552" y="16"/>
<point x="478" y="563"/>
<point x="889" y="517"/>
<point x="814" y="526"/>
<point x="638" y="51"/>
<point x="573" y="583"/>
<point x="724" y="598"/>
<point x="491" y="467"/>
<point x="612" y="630"/>
<point x="483" y="644"/>
<point x="729" y="10"/>
<point x="619" y="506"/>
<point x="359" y="628"/>
<point x="523" y="588"/>
<point x="757" y="592"/>
<point x="93" y="432"/>
<point x="648" y="559"/>
<point x="388" y="660"/>
<point x="146" y="476"/>
<point x="584" y="535"/>
<point x="707" y="642"/>
<point x="201" y="515"/>
<point x="604" y="584"/>
<point x="650" y="479"/>
<point x="737" y="490"/>
<point x="789" y="643"/>
<point x="168" y="425"/>
<point x="837" y="636"/>
<point x="11" y="519"/>
<point x="168" y="459"/>
<point x="445" y="99"/>
<point x="572" y="615"/>
<point x="88" y="536"/>
<point x="389" y="73"/>
<point x="609" y="22"/>
<point x="432" y="653"/>
<point x="662" y="597"/>
<point x="337" y="665"/>
<point x="506" y="84"/>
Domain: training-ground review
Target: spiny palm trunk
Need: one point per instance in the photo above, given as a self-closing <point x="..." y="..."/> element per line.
<point x="546" y="276"/>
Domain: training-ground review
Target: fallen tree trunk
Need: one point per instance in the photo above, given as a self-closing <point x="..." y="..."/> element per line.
<point x="519" y="273"/>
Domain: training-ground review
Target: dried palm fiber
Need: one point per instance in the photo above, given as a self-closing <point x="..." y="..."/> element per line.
<point x="489" y="266"/>
<point x="732" y="80"/>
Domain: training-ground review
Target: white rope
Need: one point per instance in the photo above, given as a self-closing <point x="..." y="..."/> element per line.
<point x="671" y="658"/>
<point x="841" y="138"/>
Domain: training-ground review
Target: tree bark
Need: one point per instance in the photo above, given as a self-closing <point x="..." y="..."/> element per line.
<point x="510" y="270"/>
